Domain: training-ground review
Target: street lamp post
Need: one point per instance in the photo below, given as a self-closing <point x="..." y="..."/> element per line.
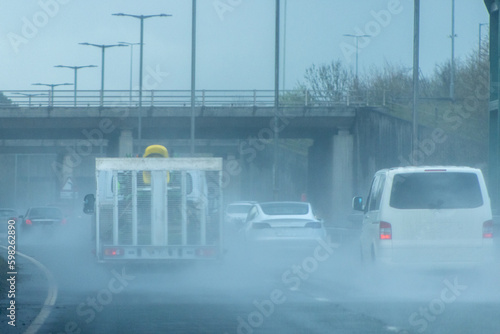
<point x="357" y="49"/>
<point x="452" y="68"/>
<point x="193" y="76"/>
<point x="141" y="18"/>
<point x="29" y="96"/>
<point x="284" y="45"/>
<point x="480" y="37"/>
<point x="276" y="99"/>
<point x="131" y="62"/>
<point x="51" y="95"/>
<point x="75" y="68"/>
<point x="416" y="90"/>
<point x="103" y="47"/>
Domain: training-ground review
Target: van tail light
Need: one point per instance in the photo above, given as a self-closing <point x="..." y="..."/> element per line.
<point x="488" y="229"/>
<point x="385" y="230"/>
<point x="28" y="222"/>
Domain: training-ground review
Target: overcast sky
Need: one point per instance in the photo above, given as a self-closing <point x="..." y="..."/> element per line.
<point x="235" y="39"/>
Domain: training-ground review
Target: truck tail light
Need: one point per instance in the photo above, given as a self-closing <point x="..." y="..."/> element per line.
<point x="28" y="222"/>
<point x="488" y="229"/>
<point x="385" y="230"/>
<point x="113" y="251"/>
<point x="206" y="252"/>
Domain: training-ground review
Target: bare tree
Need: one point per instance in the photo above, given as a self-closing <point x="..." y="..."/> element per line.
<point x="391" y="84"/>
<point x="329" y="82"/>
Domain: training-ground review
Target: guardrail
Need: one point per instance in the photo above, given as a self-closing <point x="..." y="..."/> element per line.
<point x="182" y="98"/>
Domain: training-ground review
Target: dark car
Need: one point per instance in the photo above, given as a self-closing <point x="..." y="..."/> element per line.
<point x="43" y="216"/>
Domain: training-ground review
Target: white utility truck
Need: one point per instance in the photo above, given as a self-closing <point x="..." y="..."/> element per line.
<point x="157" y="209"/>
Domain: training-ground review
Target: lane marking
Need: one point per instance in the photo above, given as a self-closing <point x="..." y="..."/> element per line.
<point x="396" y="330"/>
<point x="40" y="319"/>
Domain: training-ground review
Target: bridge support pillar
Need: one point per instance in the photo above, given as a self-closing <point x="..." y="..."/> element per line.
<point x="494" y="106"/>
<point x="319" y="191"/>
<point x="342" y="174"/>
<point x="125" y="143"/>
<point x="66" y="171"/>
<point x="330" y="176"/>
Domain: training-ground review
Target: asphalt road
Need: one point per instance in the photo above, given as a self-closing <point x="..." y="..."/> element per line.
<point x="325" y="290"/>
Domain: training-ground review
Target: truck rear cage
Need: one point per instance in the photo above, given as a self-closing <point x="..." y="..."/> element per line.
<point x="169" y="205"/>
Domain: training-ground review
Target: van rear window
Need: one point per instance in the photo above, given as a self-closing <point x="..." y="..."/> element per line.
<point x="436" y="190"/>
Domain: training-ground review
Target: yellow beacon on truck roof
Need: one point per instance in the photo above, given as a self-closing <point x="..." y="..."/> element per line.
<point x="154" y="151"/>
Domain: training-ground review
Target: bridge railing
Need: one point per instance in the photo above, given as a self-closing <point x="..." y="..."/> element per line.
<point x="182" y="98"/>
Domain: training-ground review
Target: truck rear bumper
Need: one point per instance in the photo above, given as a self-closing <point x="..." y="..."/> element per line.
<point x="114" y="253"/>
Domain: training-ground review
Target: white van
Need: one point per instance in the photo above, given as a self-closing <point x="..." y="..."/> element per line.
<point x="427" y="215"/>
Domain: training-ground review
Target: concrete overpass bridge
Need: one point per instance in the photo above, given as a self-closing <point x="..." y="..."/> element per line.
<point x="47" y="139"/>
<point x="63" y="114"/>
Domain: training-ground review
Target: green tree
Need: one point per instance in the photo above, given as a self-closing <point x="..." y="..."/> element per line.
<point x="295" y="97"/>
<point x="5" y="101"/>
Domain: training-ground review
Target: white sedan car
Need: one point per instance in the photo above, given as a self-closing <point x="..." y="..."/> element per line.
<point x="284" y="224"/>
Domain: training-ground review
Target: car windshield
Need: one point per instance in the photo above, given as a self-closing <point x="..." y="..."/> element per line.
<point x="45" y="213"/>
<point x="285" y="208"/>
<point x="238" y="208"/>
<point x="435" y="190"/>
